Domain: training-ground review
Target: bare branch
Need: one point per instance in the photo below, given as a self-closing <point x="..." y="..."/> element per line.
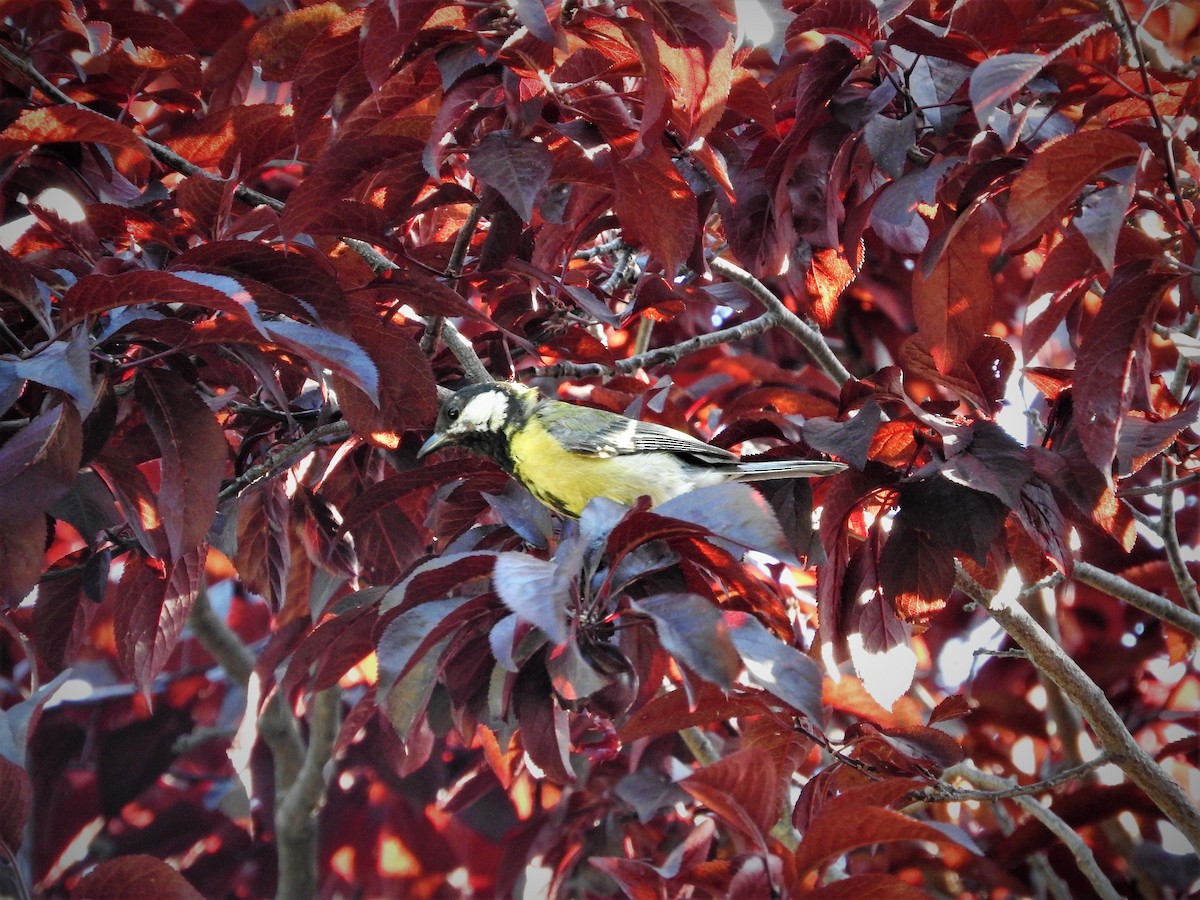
<point x="822" y="354"/>
<point x="1147" y="602"/>
<point x="1084" y="858"/>
<point x="1087" y="696"/>
<point x="220" y="640"/>
<point x="944" y="792"/>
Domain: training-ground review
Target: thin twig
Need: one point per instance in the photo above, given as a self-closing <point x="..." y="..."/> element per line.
<point x="1149" y="603"/>
<point x="660" y="355"/>
<point x="1084" y="858"/>
<point x="1086" y="695"/>
<point x="943" y="792"/>
<point x="284" y="457"/>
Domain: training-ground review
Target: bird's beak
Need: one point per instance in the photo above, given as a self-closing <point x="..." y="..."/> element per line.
<point x="436" y="440"/>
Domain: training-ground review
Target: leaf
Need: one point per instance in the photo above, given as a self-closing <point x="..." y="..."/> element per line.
<point x="1063" y="278"/>
<point x="777" y="667"/>
<point x="135" y="875"/>
<point x="151" y="609"/>
<point x="693" y="631"/>
<point x="879" y="643"/>
<point x="95" y="294"/>
<point x="850" y="439"/>
<point x="61" y="618"/>
<point x="656" y="207"/>
<point x="917" y="573"/>
<point x="828" y="276"/>
<point x="952" y="305"/>
<point x="545" y="728"/>
<point x="406" y="635"/>
<point x="62" y="365"/>
<point x="997" y="79"/>
<point x="1142" y="439"/>
<point x="194" y="454"/>
<point x="537" y="590"/>
<point x="842" y="827"/>
<point x="278" y="45"/>
<point x="1102" y="369"/>
<point x="407" y="393"/>
<point x="74" y="125"/>
<point x="517" y="168"/>
<point x="868" y="887"/>
<point x="672" y="712"/>
<point x="735" y="512"/>
<point x="16" y="796"/>
<point x="1102" y="215"/>
<point x="38" y="465"/>
<point x="742" y="789"/>
<point x="340" y="355"/>
<point x="1054" y="175"/>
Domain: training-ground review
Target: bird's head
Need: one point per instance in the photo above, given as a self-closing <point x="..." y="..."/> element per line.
<point x="481" y="417"/>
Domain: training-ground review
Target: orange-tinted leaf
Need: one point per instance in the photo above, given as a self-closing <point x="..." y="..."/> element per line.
<point x="1054" y="175"/>
<point x="829" y="275"/>
<point x="917" y="573"/>
<point x="953" y="304"/>
<point x="134" y="876"/>
<point x="70" y="124"/>
<point x="842" y="827"/>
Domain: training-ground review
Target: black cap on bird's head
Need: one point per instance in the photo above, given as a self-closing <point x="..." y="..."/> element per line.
<point x="478" y="417"/>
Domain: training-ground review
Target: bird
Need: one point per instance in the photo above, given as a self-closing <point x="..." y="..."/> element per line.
<point x="567" y="455"/>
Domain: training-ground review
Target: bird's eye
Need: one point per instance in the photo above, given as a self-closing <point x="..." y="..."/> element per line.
<point x="452" y="413"/>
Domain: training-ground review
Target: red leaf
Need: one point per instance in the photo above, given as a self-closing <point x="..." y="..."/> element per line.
<point x="407" y="394"/>
<point x="742" y="789"/>
<point x="150" y="611"/>
<point x="517" y="168"/>
<point x="953" y="304"/>
<point x="917" y="574"/>
<point x="545" y="730"/>
<point x="263" y="553"/>
<point x="38" y="465"/>
<point x="639" y="880"/>
<point x="134" y="876"/>
<point x="237" y="138"/>
<point x="956" y="706"/>
<point x="16" y="794"/>
<point x="842" y="827"/>
<point x="857" y="19"/>
<point x="73" y="125"/>
<point x="656" y="207"/>
<point x="1102" y="370"/>
<point x="194" y="455"/>
<point x="322" y="66"/>
<point x="671" y="712"/>
<point x="94" y="294"/>
<point x="1054" y="176"/>
<point x="60" y="619"/>
<point x="328" y="350"/>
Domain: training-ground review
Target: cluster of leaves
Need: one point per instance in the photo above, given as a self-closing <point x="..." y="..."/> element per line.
<point x="292" y="227"/>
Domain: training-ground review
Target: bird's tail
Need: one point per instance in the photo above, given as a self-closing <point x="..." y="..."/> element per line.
<point x="786" y="468"/>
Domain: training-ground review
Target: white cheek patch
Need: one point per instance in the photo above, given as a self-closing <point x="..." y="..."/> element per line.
<point x="485" y="412"/>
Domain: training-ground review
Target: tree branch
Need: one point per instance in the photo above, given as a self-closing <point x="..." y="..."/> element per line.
<point x="812" y="340"/>
<point x="1107" y="725"/>
<point x="944" y="792"/>
<point x="297" y="808"/>
<point x="1084" y="858"/>
<point x="1138" y="597"/>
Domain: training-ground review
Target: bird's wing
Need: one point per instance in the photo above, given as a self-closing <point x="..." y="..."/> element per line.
<point x="598" y="432"/>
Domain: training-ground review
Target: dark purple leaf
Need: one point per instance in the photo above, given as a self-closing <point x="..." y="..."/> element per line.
<point x="777" y="667"/>
<point x="692" y="630"/>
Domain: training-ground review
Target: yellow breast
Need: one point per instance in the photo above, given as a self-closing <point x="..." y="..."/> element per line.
<point x="566" y="481"/>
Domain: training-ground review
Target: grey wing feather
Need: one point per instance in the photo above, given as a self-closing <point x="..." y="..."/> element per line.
<point x="602" y="433"/>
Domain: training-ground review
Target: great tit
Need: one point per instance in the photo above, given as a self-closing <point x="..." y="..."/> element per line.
<point x="566" y="454"/>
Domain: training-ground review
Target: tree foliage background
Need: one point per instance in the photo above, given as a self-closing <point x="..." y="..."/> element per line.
<point x="250" y="646"/>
